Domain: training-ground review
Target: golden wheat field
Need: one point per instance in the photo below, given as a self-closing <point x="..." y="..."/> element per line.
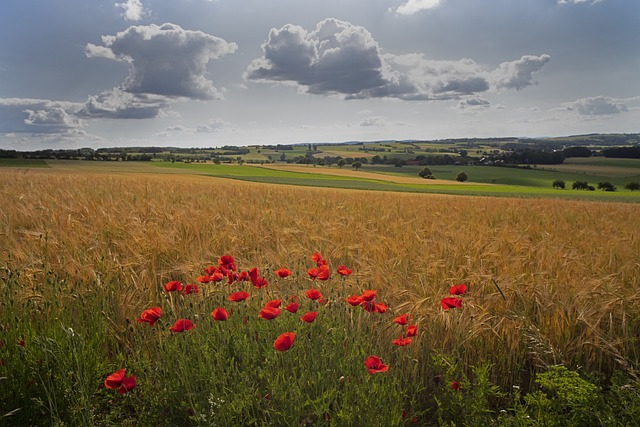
<point x="569" y="270"/>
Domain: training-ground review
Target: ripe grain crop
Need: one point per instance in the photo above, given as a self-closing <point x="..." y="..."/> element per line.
<point x="550" y="281"/>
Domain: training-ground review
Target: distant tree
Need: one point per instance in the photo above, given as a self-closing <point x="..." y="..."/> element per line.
<point x="463" y="153"/>
<point x="580" y="185"/>
<point x="356" y="165"/>
<point x="606" y="186"/>
<point x="622" y="152"/>
<point x="632" y="186"/>
<point x="425" y="172"/>
<point x="341" y="163"/>
<point x="283" y="157"/>
<point x="558" y="183"/>
<point x="577" y="152"/>
<point x="462" y="177"/>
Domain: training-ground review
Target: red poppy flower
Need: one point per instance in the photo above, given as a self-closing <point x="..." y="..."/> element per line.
<point x="150" y="315"/>
<point x="411" y="331"/>
<point x="275" y="303"/>
<point x="182" y="325"/>
<point x="374" y="365"/>
<point x="260" y="282"/>
<point x="232" y="276"/>
<point x="21" y="342"/>
<point x="284" y="341"/>
<point x="204" y="279"/>
<point x="344" y="271"/>
<point x="316" y="257"/>
<point x="380" y="308"/>
<point x="190" y="289"/>
<point x="369" y="306"/>
<point x="173" y="286"/>
<point x="210" y="270"/>
<point x="449" y="302"/>
<point x="313" y="294"/>
<point x="283" y="272"/>
<point x="455" y="385"/>
<point x="323" y="272"/>
<point x="238" y="296"/>
<point x="458" y="289"/>
<point x="243" y="276"/>
<point x="227" y="261"/>
<point x="257" y="282"/>
<point x="354" y="300"/>
<point x="313" y="273"/>
<point x="309" y="317"/>
<point x="292" y="307"/>
<point x="253" y="274"/>
<point x="118" y="380"/>
<point x="401" y="342"/>
<point x="368" y="295"/>
<point x="216" y="276"/>
<point x="402" y="319"/>
<point x="269" y="313"/>
<point x="220" y="314"/>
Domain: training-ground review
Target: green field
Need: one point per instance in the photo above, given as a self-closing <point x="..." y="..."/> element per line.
<point x="485" y="180"/>
<point x="534" y="177"/>
<point x="23" y="163"/>
<point x="499" y="181"/>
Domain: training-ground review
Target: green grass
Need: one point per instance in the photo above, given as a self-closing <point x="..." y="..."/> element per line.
<point x="509" y="188"/>
<point x="23" y="163"/>
<point x="604" y="161"/>
<point x="506" y="176"/>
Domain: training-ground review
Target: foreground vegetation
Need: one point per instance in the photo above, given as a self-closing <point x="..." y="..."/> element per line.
<point x="547" y="333"/>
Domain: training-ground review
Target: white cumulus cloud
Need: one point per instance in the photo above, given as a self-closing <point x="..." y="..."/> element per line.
<point x="133" y="10"/>
<point x="597" y="106"/>
<point x="518" y="74"/>
<point x="413" y="6"/>
<point x="165" y="60"/>
<point x="117" y="104"/>
<point x="38" y="116"/>
<point x="339" y="58"/>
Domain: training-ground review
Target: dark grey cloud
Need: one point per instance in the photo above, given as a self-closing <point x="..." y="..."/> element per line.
<point x="165" y="60"/>
<point x="339" y="58"/>
<point x="467" y="85"/>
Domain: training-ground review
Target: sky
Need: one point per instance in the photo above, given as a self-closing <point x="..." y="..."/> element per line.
<point x="209" y="73"/>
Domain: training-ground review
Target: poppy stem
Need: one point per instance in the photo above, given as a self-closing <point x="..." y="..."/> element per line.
<point x="499" y="290"/>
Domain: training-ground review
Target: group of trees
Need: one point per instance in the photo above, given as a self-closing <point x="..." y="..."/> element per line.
<point x="584" y="185"/>
<point x="426" y="173"/>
